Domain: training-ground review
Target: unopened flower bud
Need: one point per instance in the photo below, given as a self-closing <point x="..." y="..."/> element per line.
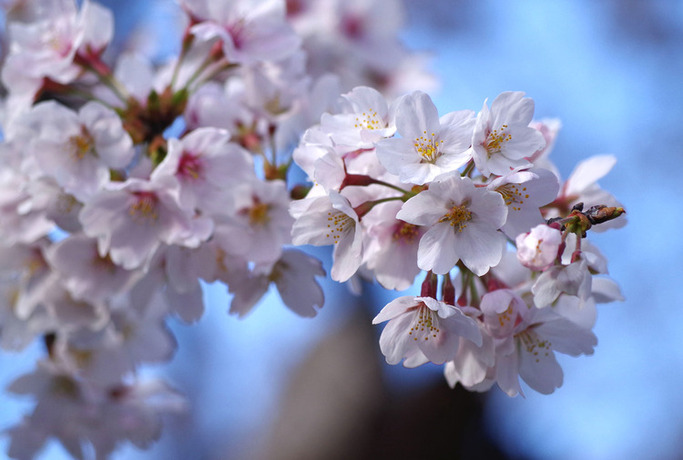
<point x="538" y="248"/>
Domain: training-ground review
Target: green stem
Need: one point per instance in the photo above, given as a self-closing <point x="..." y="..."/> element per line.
<point x="392" y="186"/>
<point x="468" y="169"/>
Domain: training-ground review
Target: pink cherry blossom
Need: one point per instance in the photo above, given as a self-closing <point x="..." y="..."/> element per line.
<point x="250" y="30"/>
<point x="538" y="248"/>
<point x="132" y="219"/>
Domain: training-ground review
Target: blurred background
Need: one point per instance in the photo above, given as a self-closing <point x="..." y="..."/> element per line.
<point x="276" y="386"/>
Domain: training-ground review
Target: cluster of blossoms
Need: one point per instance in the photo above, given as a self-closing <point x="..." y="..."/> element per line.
<point x="125" y="185"/>
<point x="399" y="190"/>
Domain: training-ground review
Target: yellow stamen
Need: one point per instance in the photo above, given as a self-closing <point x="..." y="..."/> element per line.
<point x="495" y="140"/>
<point x="458" y="216"/>
<point x="428" y="147"/>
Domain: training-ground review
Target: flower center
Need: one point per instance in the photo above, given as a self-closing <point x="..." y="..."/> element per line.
<point x="64" y="386"/>
<point x="189" y="166"/>
<point x="404" y="232"/>
<point x="144" y="208"/>
<point x="369" y="120"/>
<point x="495" y="140"/>
<point x="457" y="217"/>
<point x="425" y="322"/>
<point x="513" y="195"/>
<point x="534" y="345"/>
<point x="81" y="144"/>
<point x="258" y="213"/>
<point x="428" y="147"/>
<point x="337" y="224"/>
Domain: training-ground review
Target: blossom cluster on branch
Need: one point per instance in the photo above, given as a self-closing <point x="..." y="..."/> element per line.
<point x="124" y="185"/>
<point x="400" y="190"/>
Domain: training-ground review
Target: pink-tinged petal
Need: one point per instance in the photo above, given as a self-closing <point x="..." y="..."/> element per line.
<point x="481" y="248"/>
<point x="465" y="327"/>
<point x="415" y="358"/>
<point x="395" y="308"/>
<point x="294" y="275"/>
<point x="499" y="164"/>
<point x="567" y="337"/>
<point x="437" y="250"/>
<point x="606" y="290"/>
<point x="98" y="26"/>
<point x="396" y="153"/>
<point x="588" y="172"/>
<point x="523" y="143"/>
<point x="329" y="171"/>
<point x="456" y="130"/>
<point x="441" y="345"/>
<point x="545" y="289"/>
<point x="496" y="302"/>
<point x="580" y="312"/>
<point x="471" y="364"/>
<point x="394" y="342"/>
<point x="511" y="107"/>
<point x="188" y="305"/>
<point x="538" y="366"/>
<point x="489" y="208"/>
<point x="507" y="374"/>
<point x="396" y="268"/>
<point x="416" y="115"/>
<point x="420" y="173"/>
<point x="422" y="209"/>
<point x="347" y="257"/>
<point x="311" y="226"/>
<point x="246" y="293"/>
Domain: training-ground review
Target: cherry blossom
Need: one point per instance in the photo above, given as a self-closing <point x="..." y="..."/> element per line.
<point x="332" y="220"/>
<point x="463" y="223"/>
<point x="131" y="220"/>
<point x="429" y="146"/>
<point x="502" y="138"/>
<point x="422" y="329"/>
<point x="249" y="30"/>
<point x="524" y="193"/>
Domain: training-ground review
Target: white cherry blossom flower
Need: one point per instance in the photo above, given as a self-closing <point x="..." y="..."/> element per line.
<point x="524" y="193"/>
<point x="429" y="146"/>
<point x="78" y="149"/>
<point x="84" y="272"/>
<point x="365" y="119"/>
<point x="463" y="223"/>
<point x="502" y="138"/>
<point x="332" y="220"/>
<point x="526" y="341"/>
<point x="422" y="329"/>
<point x="572" y="279"/>
<point x="257" y="222"/>
<point x="293" y="275"/>
<point x="47" y="45"/>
